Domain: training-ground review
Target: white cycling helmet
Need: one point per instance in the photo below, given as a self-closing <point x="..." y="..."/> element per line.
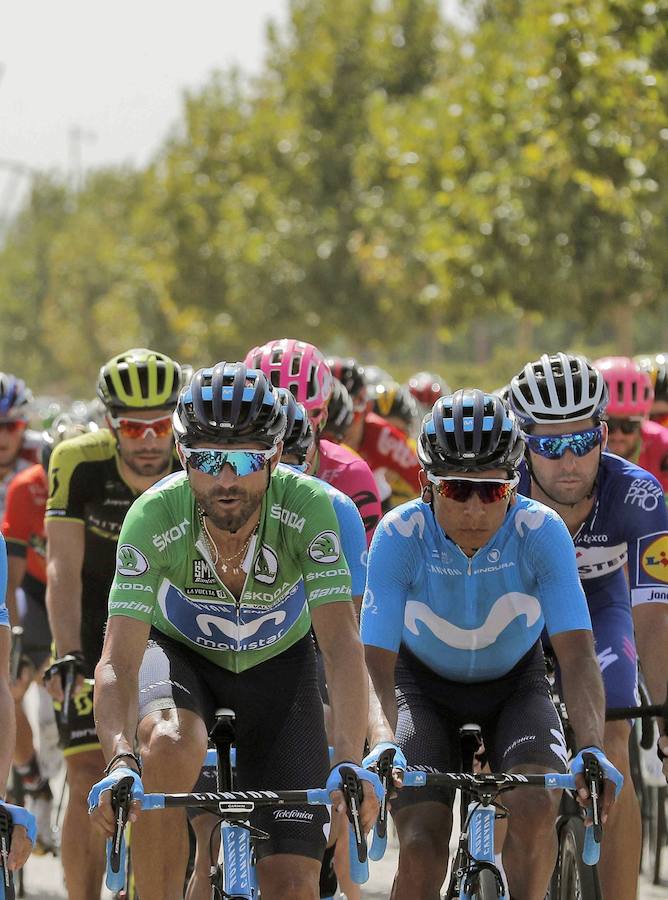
<point x="558" y="388"/>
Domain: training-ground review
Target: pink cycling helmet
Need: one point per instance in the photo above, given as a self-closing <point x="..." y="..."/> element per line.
<point x="300" y="368"/>
<point x="630" y="388"/>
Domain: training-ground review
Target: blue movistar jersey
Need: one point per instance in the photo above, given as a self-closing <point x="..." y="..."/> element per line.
<point x="627" y="524"/>
<point x="4" y="614"/>
<point x="353" y="536"/>
<point x="471" y="619"/>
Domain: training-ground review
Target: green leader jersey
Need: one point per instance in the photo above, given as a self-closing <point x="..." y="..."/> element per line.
<point x="165" y="575"/>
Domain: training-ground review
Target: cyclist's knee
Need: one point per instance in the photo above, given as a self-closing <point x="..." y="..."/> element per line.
<point x="285" y="876"/>
<point x="533" y="812"/>
<point x="423" y="837"/>
<point x="617" y="745"/>
<point x="170" y="750"/>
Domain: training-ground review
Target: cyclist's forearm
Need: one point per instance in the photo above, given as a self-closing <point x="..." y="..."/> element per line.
<point x="585" y="700"/>
<point x="347" y="684"/>
<point x="63" y="604"/>
<point x="8" y="732"/>
<point x="382" y="714"/>
<point x="16" y="569"/>
<point x="115" y="708"/>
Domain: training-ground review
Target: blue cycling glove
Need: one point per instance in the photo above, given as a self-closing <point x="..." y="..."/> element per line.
<point x="334" y="781"/>
<point x="21" y="816"/>
<point x="371" y="759"/>
<point x="609" y="771"/>
<point x="110" y="780"/>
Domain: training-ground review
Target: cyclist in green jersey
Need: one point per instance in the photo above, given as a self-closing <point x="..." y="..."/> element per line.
<point x="221" y="572"/>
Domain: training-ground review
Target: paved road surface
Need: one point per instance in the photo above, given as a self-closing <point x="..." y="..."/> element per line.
<point x="44" y="880"/>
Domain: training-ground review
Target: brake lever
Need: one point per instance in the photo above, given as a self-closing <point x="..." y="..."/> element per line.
<point x="121" y="798"/>
<point x="351" y="787"/>
<point x="593" y="776"/>
<point x="384" y="770"/>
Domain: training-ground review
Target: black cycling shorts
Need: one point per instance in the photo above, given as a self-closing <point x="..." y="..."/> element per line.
<point x="280" y="729"/>
<point x="81" y="722"/>
<point x="36" y="643"/>
<point x="520" y="725"/>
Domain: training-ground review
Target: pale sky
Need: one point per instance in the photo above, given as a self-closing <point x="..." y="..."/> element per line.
<point x="114" y="71"/>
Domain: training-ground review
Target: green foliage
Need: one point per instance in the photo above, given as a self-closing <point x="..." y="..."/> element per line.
<point x="389" y="187"/>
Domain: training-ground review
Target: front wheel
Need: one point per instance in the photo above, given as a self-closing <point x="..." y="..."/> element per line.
<point x="572" y="879"/>
<point x="485" y="886"/>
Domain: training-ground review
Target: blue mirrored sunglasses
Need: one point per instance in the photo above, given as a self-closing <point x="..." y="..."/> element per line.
<point x="212" y="461"/>
<point x="553" y="446"/>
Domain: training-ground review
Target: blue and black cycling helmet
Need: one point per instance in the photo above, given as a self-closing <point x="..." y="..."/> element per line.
<point x="229" y="404"/>
<point x="15" y="398"/>
<point x="298" y="436"/>
<point x="470" y="431"/>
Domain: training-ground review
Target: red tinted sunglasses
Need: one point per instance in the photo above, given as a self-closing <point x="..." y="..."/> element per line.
<point x="490" y="490"/>
<point x="135" y="429"/>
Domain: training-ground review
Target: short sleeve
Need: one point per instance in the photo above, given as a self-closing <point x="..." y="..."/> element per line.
<point x="317" y="547"/>
<point x="16" y="526"/>
<point x="561" y="595"/>
<point x="645" y="520"/>
<point x="4" y="613"/>
<point x="392" y="561"/>
<point x="353" y="541"/>
<point x="140" y="565"/>
<point x="67" y="497"/>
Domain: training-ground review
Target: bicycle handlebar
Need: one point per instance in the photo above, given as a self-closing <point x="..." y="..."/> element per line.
<point x="654" y="711"/>
<point x="235" y="805"/>
<point x="487" y="785"/>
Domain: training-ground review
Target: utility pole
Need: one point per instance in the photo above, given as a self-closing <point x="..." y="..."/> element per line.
<point x="17" y="171"/>
<point x="77" y="137"/>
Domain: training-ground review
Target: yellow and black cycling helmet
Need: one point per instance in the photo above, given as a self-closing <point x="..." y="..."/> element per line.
<point x="139" y="379"/>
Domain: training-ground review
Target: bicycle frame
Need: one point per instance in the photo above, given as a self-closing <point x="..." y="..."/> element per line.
<point x="476" y="842"/>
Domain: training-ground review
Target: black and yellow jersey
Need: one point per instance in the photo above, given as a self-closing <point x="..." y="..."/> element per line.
<point x="85" y="485"/>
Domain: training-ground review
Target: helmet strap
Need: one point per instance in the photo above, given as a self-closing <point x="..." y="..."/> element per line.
<point x="427" y="495"/>
<point x="427" y="491"/>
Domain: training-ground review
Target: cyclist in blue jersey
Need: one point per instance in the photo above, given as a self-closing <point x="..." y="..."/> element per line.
<point x="461" y="583"/>
<point x="299" y="452"/>
<point x="616" y="513"/>
<point x="25" y="827"/>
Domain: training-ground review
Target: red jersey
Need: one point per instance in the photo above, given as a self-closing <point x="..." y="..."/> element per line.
<point x="388" y="452"/>
<point x="23" y="525"/>
<point x="344" y="469"/>
<point x="654" y="451"/>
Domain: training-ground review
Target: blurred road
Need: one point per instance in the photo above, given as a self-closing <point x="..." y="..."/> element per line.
<point x="44" y="880"/>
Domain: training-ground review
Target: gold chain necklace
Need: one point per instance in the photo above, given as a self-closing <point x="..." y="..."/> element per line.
<point x="213" y="549"/>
